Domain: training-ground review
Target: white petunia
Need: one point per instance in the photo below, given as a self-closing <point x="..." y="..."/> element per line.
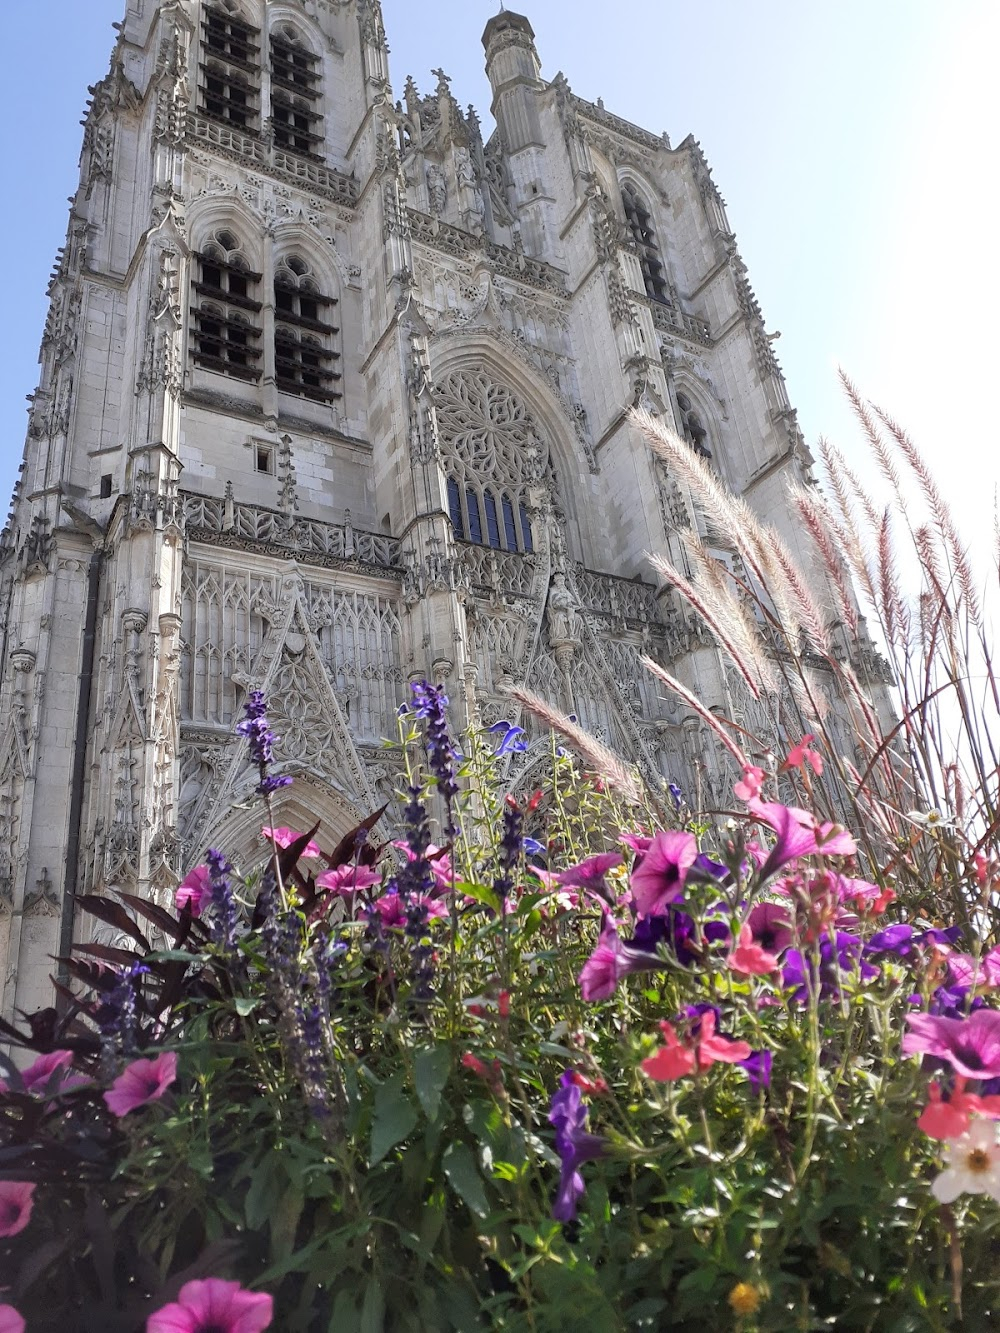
<point x="973" y="1164"/>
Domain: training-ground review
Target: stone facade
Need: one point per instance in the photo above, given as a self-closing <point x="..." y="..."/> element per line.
<point x="334" y="394"/>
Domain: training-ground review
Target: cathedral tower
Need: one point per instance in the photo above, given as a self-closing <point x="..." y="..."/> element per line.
<point x="334" y="394"/>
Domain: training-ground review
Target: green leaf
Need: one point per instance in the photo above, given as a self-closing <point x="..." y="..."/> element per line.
<point x="373" y="1310"/>
<point x="395" y="1117"/>
<point x="431" y="1067"/>
<point x="481" y="893"/>
<point x="463" y="1176"/>
<point x="260" y="1195"/>
<point x="245" y="1004"/>
<point x="175" y="956"/>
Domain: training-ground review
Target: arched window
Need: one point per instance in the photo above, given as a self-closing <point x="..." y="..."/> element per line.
<point x="640" y="223"/>
<point x="305" y="355"/>
<point x="492" y="456"/>
<point x="226" y="330"/>
<point x="692" y="428"/>
<point x="296" y="93"/>
<point x="230" y="67"/>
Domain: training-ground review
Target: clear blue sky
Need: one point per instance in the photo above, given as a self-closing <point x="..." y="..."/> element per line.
<point x="854" y="142"/>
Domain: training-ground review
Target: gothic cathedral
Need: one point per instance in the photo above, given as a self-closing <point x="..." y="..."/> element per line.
<point x="334" y="394"/>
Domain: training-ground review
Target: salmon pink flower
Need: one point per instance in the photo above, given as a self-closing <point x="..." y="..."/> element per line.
<point x="142" y="1082"/>
<point x="10" y="1320"/>
<point x="15" y="1206"/>
<point x="973" y="1165"/>
<point x="750" y="785"/>
<point x="749" y="959"/>
<point x="701" y="1049"/>
<point x="284" y="837"/>
<point x="658" y="879"/>
<point x="942" y="1119"/>
<point x="673" y="1060"/>
<point x="970" y="1045"/>
<point x="214" y="1306"/>
<point x="348" y="879"/>
<point x="195" y="889"/>
<point x="801" y="754"/>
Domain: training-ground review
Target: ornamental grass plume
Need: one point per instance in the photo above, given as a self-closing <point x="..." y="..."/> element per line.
<point x="595" y="755"/>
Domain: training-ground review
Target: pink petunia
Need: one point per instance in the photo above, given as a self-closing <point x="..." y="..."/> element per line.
<point x="142" y="1082"/>
<point x="439" y="862"/>
<point x="10" y="1320"/>
<point x="196" y="889"/>
<point x="658" y="879"/>
<point x="39" y="1075"/>
<point x="348" y="879"/>
<point x="589" y="874"/>
<point x="392" y="909"/>
<point x="749" y="958"/>
<point x="15" y="1206"/>
<point x="284" y="837"/>
<point x="968" y="971"/>
<point x="712" y="1046"/>
<point x="771" y="927"/>
<point x="750" y="784"/>
<point x="970" y="1045"/>
<point x="639" y="842"/>
<point x="798" y="834"/>
<point x="214" y="1306"/>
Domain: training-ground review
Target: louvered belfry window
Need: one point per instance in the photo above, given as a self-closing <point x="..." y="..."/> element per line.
<point x="226" y="316"/>
<point x="305" y="353"/>
<point x="296" y="95"/>
<point x="229" y="84"/>
<point x="640" y="224"/>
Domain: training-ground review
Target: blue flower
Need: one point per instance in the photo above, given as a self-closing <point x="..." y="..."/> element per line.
<point x="532" y="847"/>
<point x="677" y="796"/>
<point x="511" y="738"/>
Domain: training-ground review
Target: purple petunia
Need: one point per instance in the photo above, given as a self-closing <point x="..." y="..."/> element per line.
<point x="842" y="955"/>
<point x="574" y="1144"/>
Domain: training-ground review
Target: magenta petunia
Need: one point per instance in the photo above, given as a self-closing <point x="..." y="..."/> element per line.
<point x="348" y="879"/>
<point x="10" y="1320"/>
<point x="970" y="1045"/>
<point x="610" y="961"/>
<point x="771" y="926"/>
<point x="798" y="834"/>
<point x="658" y="879"/>
<point x="438" y="861"/>
<point x="196" y="889"/>
<point x="214" y="1306"/>
<point x="969" y="971"/>
<point x="39" y="1075"/>
<point x="589" y="874"/>
<point x="142" y="1081"/>
<point x="15" y="1206"/>
<point x="392" y="909"/>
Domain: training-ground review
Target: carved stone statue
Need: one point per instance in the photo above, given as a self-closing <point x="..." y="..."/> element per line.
<point x="561" y="616"/>
<point x="437" y="188"/>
